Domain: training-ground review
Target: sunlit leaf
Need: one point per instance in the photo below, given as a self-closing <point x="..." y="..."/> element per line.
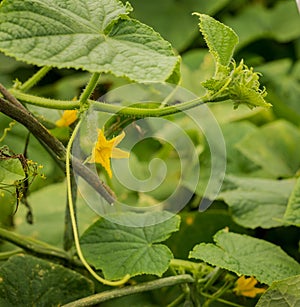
<point x="220" y="39"/>
<point x="119" y="250"/>
<point x="97" y="36"/>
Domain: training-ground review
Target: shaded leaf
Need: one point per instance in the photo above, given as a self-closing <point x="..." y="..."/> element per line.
<point x="234" y="132"/>
<point x="29" y="281"/>
<point x="282" y="293"/>
<point x="249" y="256"/>
<point x="90" y="35"/>
<point x="275" y="147"/>
<point x="119" y="250"/>
<point x="292" y="214"/>
<point x="257" y="202"/>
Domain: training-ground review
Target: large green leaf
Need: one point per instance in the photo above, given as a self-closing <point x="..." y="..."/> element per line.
<point x="249" y="256"/>
<point x="275" y="147"/>
<point x="97" y="36"/>
<point x="257" y="202"/>
<point x="292" y="214"/>
<point x="119" y="250"/>
<point x="29" y="281"/>
<point x="282" y="293"/>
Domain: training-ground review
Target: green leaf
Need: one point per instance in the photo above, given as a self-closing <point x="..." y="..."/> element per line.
<point x="220" y="39"/>
<point x="119" y="250"/>
<point x="29" y="281"/>
<point x="275" y="147"/>
<point x="249" y="256"/>
<point x="11" y="170"/>
<point x="97" y="36"/>
<point x="292" y="214"/>
<point x="282" y="293"/>
<point x="257" y="202"/>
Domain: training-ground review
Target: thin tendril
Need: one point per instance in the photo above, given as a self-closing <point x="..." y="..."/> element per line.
<point x="73" y="221"/>
<point x="6" y="130"/>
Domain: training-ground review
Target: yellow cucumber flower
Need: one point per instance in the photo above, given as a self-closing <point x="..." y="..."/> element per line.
<point x="246" y="287"/>
<point x="68" y="118"/>
<point x="105" y="149"/>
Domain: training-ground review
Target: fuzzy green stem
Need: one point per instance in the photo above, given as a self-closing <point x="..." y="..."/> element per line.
<point x="73" y="219"/>
<point x="45" y="102"/>
<point x="113" y="109"/>
<point x="85" y="95"/>
<point x="34" y="79"/>
<point x="142" y="287"/>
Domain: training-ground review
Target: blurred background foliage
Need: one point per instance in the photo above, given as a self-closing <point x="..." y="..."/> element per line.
<point x="269" y="33"/>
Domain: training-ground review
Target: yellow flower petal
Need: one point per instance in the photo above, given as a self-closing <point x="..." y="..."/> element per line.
<point x="105" y="149"/>
<point x="246" y="287"/>
<point x="118" y="153"/>
<point x="68" y="118"/>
